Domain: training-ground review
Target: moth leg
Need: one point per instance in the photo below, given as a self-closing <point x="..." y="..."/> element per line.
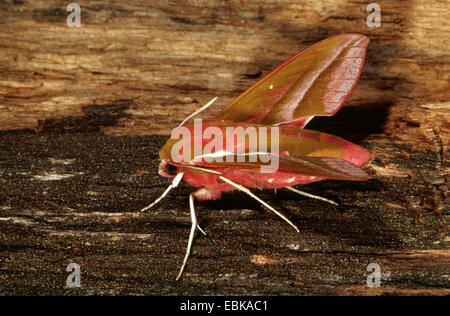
<point x="311" y="195"/>
<point x="191" y="235"/>
<point x="174" y="184"/>
<point x="245" y="190"/>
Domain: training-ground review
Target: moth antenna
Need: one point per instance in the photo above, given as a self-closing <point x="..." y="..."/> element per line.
<point x="207" y="105"/>
<point x="311" y="195"/>
<point x="191" y="235"/>
<point x="245" y="190"/>
<point x="174" y="184"/>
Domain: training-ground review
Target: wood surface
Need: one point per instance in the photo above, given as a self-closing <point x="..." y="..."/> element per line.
<point x="84" y="111"/>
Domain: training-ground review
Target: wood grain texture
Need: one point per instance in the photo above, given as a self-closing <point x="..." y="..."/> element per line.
<point x="74" y="197"/>
<point x="82" y="111"/>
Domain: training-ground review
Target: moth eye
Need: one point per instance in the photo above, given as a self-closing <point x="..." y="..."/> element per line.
<point x="171" y="169"/>
<point x="166" y="169"/>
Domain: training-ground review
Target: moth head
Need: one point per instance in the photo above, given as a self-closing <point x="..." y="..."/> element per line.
<point x="165" y="169"/>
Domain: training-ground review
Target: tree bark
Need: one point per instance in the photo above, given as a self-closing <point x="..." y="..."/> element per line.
<point x="83" y="111"/>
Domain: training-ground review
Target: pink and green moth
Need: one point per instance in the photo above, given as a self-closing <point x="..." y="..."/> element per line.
<point x="314" y="82"/>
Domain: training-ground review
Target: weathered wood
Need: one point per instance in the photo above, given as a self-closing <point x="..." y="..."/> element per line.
<point x="162" y="59"/>
<point x="77" y="106"/>
<point x="75" y="198"/>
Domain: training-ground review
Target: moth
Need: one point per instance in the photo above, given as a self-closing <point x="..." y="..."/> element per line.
<point x="314" y="82"/>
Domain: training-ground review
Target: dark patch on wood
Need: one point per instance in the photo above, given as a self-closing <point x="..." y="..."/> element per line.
<point x="188" y="21"/>
<point x="50" y="15"/>
<point x="97" y="116"/>
<point x="253" y="75"/>
<point x="354" y="123"/>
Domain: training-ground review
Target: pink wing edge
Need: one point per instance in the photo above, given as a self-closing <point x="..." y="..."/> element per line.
<point x="301" y="123"/>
